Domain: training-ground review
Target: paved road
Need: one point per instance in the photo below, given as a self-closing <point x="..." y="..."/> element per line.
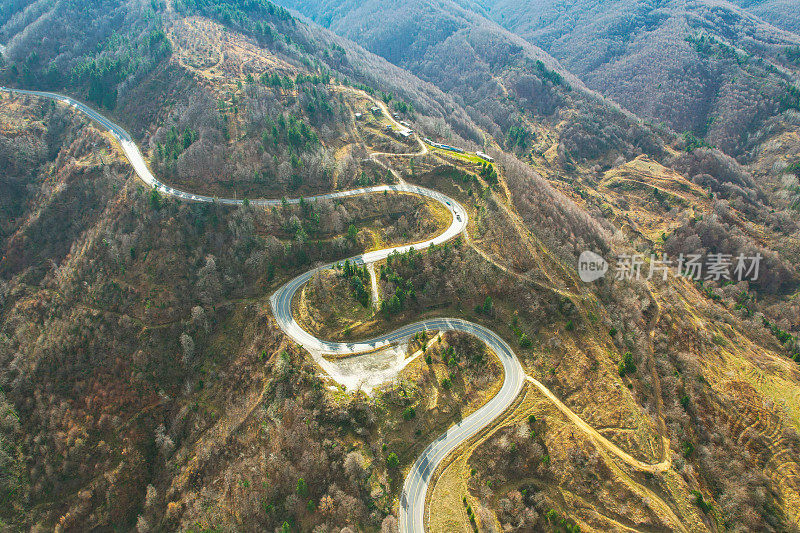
<point x="412" y="501"/>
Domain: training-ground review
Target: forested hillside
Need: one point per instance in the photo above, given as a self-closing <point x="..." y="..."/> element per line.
<point x="781" y="13"/>
<point x="146" y="385"/>
<point x="135" y="333"/>
<point x="524" y="104"/>
<point x="704" y="67"/>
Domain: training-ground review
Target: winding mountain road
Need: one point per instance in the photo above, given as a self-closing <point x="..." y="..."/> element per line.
<point x="412" y="500"/>
<point x="412" y="504"/>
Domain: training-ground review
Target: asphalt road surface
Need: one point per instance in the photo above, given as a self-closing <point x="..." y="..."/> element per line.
<point x="412" y="500"/>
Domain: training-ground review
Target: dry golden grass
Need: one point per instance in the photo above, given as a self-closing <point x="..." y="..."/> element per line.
<point x="327" y="307"/>
<point x="447" y="512"/>
<point x="649" y="198"/>
<point x="17" y="118"/>
<point x="209" y="50"/>
<point x="760" y="387"/>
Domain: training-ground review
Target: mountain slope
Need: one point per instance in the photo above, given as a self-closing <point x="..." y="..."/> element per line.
<point x="705" y="67"/>
<point x="144" y="381"/>
<point x="504" y="83"/>
<point x="780" y="13"/>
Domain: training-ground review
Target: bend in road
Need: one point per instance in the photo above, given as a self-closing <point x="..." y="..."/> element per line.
<point x="412" y="503"/>
<point x="415" y="487"/>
